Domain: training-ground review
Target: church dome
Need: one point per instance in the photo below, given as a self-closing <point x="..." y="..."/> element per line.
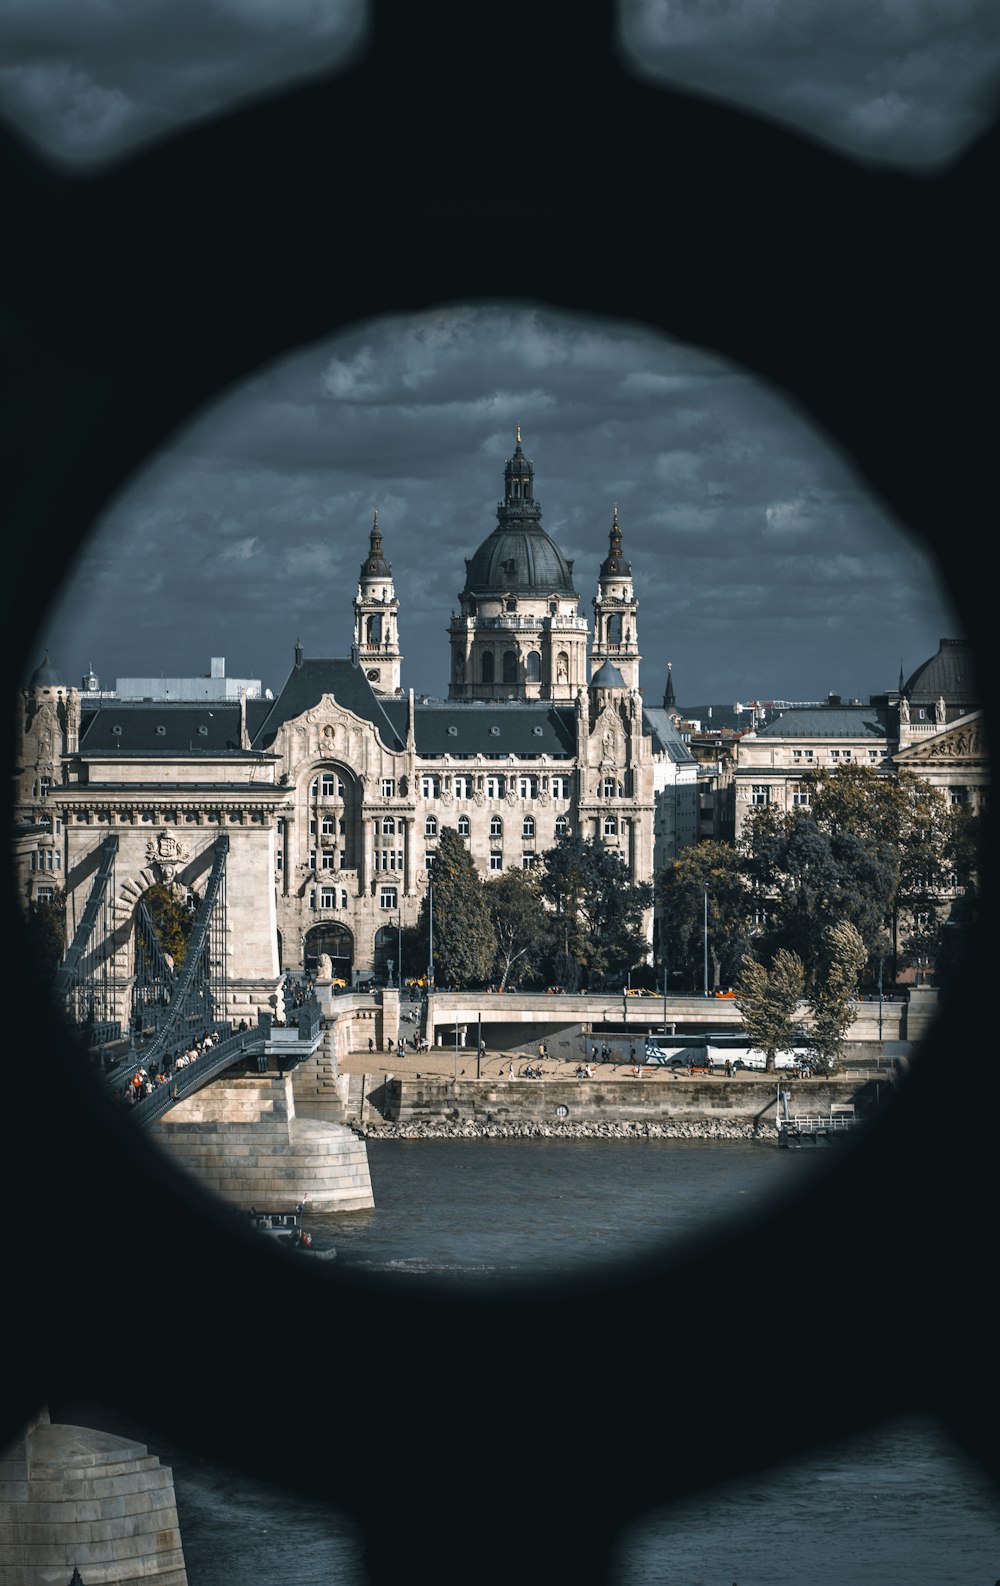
<point x="523" y="560"/>
<point x="375" y="564"/>
<point x="518" y="556"/>
<point x="608" y="676"/>
<point x="948" y="675"/>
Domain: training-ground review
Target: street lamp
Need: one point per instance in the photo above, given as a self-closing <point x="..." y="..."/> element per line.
<point x="430" y="922"/>
<point x="706" y="941"/>
<point x="880" y="999"/>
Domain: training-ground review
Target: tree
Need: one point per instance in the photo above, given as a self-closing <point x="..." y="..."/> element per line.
<point x="768" y="1000"/>
<point x="464" y="945"/>
<point x="811" y="876"/>
<point x="598" y="909"/>
<point x="47" y="932"/>
<point x="716" y="869"/>
<point x="903" y="813"/>
<point x="172" y="921"/>
<point x="520" y="925"/>
<point x="833" y="1004"/>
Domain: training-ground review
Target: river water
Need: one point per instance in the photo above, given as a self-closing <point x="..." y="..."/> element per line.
<point x="894" y="1508"/>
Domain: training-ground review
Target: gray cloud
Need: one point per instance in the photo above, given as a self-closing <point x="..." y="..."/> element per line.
<point x="763" y="566"/>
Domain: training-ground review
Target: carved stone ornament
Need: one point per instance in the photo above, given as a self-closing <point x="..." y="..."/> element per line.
<point x="166" y="853"/>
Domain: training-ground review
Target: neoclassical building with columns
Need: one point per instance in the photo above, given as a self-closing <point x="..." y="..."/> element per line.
<point x="334" y="793"/>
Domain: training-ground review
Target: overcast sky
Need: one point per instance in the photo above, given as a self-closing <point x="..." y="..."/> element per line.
<point x="764" y="568"/>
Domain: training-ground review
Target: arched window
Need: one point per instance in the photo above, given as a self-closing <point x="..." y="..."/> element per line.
<point x="496" y="826"/>
<point x="388" y="826"/>
<point x="609" y="787"/>
<point x="374" y="630"/>
<point x="562" y="826"/>
<point x="615" y="629"/>
<point x="510" y="666"/>
<point x="528" y="826"/>
<point x="486" y="667"/>
<point x="464" y="826"/>
<point x="431" y="826"/>
<point x="533" y="667"/>
<point x="610" y="826"/>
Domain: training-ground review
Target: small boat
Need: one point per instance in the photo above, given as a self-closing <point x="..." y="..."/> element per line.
<point x="286" y="1229"/>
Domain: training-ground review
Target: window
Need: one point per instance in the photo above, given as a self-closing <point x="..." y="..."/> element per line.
<point x="279" y="857"/>
<point x="328" y="826"/>
<point x="387" y="898"/>
<point x="800" y="793"/>
<point x="496" y="861"/>
<point x="429" y="859"/>
<point x="312" y="859"/>
<point x="486" y="667"/>
<point x="528" y="861"/>
<point x="430" y="787"/>
<point x="560" y="787"/>
<point x="609" y="788"/>
<point x="431" y="826"/>
<point x="327" y="785"/>
<point x="328" y="859"/>
<point x="610" y="826"/>
<point x="958" y="795"/>
<point x="462" y="787"/>
<point x="496" y="826"/>
<point x="834" y="754"/>
<point x="328" y="897"/>
<point x="510" y="666"/>
<point x="802" y="754"/>
<point x="388" y="859"/>
<point x="562" y="826"/>
<point x="533" y="667"/>
<point x="527" y="787"/>
<point x="760" y="793"/>
<point x="464" y="826"/>
<point x="45" y="895"/>
<point x="388" y="826"/>
<point x="496" y="787"/>
<point x="388" y="786"/>
<point x="528" y="827"/>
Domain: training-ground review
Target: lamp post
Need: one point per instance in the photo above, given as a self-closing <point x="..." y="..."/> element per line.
<point x="399" y="948"/>
<point x="880" y="999"/>
<point x="665" y="973"/>
<point x="706" y="942"/>
<point x="430" y="922"/>
<point x="479" y="1046"/>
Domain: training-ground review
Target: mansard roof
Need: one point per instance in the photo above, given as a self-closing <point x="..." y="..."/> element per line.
<point x="520" y="728"/>
<point x="155" y="727"/>
<point x="308" y="682"/>
<point x="826" y="721"/>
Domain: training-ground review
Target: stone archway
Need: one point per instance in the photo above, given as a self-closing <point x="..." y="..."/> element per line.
<point x="334" y="939"/>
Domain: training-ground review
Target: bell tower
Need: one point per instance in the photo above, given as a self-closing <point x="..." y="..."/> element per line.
<point x="376" y="619"/>
<point x="615" y="606"/>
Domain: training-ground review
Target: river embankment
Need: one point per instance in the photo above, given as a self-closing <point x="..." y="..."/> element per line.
<point x="472" y="1129"/>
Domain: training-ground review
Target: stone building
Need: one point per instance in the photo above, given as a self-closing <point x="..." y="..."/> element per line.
<point x="334" y="793"/>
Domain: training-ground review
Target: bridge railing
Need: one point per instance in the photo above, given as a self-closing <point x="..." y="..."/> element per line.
<point x="187" y="992"/>
<point x="188" y="1080"/>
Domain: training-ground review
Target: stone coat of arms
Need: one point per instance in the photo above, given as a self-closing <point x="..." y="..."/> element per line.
<point x="166" y="853"/>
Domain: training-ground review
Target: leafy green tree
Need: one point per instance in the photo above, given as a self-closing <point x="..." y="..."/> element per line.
<point x="47" y="932"/>
<point x="810" y="876"/>
<point x="768" y="1000"/>
<point x="464" y="944"/>
<point x="904" y="814"/>
<point x="598" y="910"/>
<point x="833" y="1003"/>
<point x="173" y="922"/>
<point x="520" y="925"/>
<point x="716" y="869"/>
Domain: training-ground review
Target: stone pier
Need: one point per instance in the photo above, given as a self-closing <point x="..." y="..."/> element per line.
<point x="74" y="1498"/>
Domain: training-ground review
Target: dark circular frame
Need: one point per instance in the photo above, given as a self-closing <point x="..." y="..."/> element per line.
<point x="136" y="295"/>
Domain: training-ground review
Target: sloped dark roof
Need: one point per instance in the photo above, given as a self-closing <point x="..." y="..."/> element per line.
<point x="607" y="676"/>
<point x="658" y="725"/>
<point x="948" y="674"/>
<point x="305" y="686"/>
<point x="521" y="727"/>
<point x="160" y="727"/>
<point x="45" y="675"/>
<point x="826" y="721"/>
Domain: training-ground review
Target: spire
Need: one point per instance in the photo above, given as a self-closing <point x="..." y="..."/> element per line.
<point x="669" y="701"/>
<point x="614" y="564"/>
<point x="902" y="680"/>
<point x="375" y="564"/>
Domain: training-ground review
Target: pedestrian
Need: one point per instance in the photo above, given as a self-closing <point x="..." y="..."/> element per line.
<point x="371" y="1044"/>
<point x="510" y="1070"/>
<point x="631" y="1054"/>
